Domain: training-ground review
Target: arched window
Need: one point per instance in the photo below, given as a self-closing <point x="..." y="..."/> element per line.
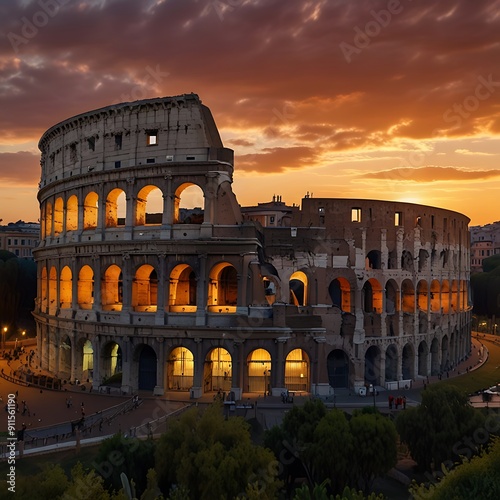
<point x="90" y="206"/>
<point x="180" y="369"/>
<point x="298" y="288"/>
<point x="112" y="289"/>
<point x="72" y="213"/>
<point x="48" y="219"/>
<point x="85" y="287"/>
<point x="58" y="216"/>
<point x="52" y="289"/>
<point x="115" y="208"/>
<point x="149" y="206"/>
<point x="66" y="288"/>
<point x="145" y="289"/>
<point x="182" y="291"/>
<point x="340" y="293"/>
<point x="223" y="288"/>
<point x="259" y="370"/>
<point x="188" y="204"/>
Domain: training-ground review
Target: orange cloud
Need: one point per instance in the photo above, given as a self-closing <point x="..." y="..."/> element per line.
<point x="432" y="174"/>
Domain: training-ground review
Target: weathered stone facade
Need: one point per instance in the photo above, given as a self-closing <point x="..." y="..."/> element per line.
<point x="346" y="293"/>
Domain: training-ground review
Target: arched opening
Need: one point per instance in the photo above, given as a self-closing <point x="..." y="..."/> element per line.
<point x="223" y="288"/>
<point x="445" y="297"/>
<point x="112" y="289"/>
<point x="180" y="369"/>
<point x="372" y="365"/>
<point x="85" y="287"/>
<point x="435" y="365"/>
<point x="297" y="371"/>
<point x="391" y="364"/>
<point x="408" y="296"/>
<point x="340" y="293"/>
<point x="90" y="211"/>
<point x="111" y="364"/>
<point x="259" y="371"/>
<point x="149" y="206"/>
<point x="217" y="372"/>
<point x="147" y="368"/>
<point x="408" y="362"/>
<point x="454" y="296"/>
<point x="52" y="290"/>
<point x="189" y="204"/>
<point x="337" y="365"/>
<point x="373" y="260"/>
<point x="298" y="288"/>
<point x="423" y="295"/>
<point x="373" y="296"/>
<point x="72" y="213"/>
<point x="88" y="361"/>
<point x="423" y="260"/>
<point x="115" y="208"/>
<point x="391" y="297"/>
<point x="65" y="358"/>
<point x="423" y="353"/>
<point x="269" y="289"/>
<point x="435" y="296"/>
<point x="66" y="288"/>
<point x="58" y="216"/>
<point x="145" y="289"/>
<point x="48" y="219"/>
<point x="182" y="291"/>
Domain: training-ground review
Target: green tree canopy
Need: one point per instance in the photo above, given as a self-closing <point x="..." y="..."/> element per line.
<point x="478" y="478"/>
<point x="214" y="458"/>
<point x="432" y="429"/>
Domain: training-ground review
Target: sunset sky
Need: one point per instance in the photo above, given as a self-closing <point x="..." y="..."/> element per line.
<point x="393" y="99"/>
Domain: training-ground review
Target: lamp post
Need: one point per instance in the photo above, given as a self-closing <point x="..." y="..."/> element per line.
<point x="4" y="336"/>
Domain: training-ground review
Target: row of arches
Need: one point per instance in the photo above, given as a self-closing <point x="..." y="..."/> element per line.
<point x="181" y="370"/>
<point x="120" y="209"/>
<point x="141" y="294"/>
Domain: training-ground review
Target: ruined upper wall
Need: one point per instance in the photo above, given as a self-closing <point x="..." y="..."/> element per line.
<point x="161" y="130"/>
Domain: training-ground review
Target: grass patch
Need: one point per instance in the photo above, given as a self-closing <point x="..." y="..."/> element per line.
<point x="31" y="465"/>
<point x="482" y="378"/>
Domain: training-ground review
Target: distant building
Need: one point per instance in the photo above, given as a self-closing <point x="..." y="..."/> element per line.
<point x="336" y="293"/>
<point x="20" y="238"/>
<point x="480" y="250"/>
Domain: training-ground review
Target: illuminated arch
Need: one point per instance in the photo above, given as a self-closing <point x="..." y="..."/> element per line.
<point x="72" y="213"/>
<point x="189" y="196"/>
<point x="52" y="289"/>
<point x="298" y="288"/>
<point x="182" y="291"/>
<point x="297" y="371"/>
<point x="223" y="288"/>
<point x="66" y="288"/>
<point x="373" y="296"/>
<point x="90" y="211"/>
<point x="112" y="289"/>
<point x="58" y="216"/>
<point x="340" y="293"/>
<point x="435" y="296"/>
<point x="115" y="208"/>
<point x="149" y="201"/>
<point x="180" y="369"/>
<point x="48" y="219"/>
<point x="259" y="371"/>
<point x="111" y="360"/>
<point x="145" y="289"/>
<point x="408" y="296"/>
<point x="85" y="287"/>
<point x="87" y="360"/>
<point x="218" y="371"/>
<point x="423" y="295"/>
<point x="445" y="297"/>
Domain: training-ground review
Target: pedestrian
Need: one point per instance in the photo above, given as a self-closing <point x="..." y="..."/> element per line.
<point x="396" y="402"/>
<point x="391" y="401"/>
<point x="404" y="402"/>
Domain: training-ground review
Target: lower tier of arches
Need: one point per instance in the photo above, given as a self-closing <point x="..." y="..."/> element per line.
<point x="201" y="361"/>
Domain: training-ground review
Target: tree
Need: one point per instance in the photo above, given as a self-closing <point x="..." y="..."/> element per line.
<point x="132" y="456"/>
<point x="477" y="478"/>
<point x="432" y="429"/>
<point x="374" y="441"/>
<point x="214" y="458"/>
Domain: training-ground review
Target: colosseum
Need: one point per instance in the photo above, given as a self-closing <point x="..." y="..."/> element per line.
<point x="138" y="287"/>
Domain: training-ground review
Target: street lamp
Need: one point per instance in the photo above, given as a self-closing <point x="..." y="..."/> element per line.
<point x="4" y="336"/>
